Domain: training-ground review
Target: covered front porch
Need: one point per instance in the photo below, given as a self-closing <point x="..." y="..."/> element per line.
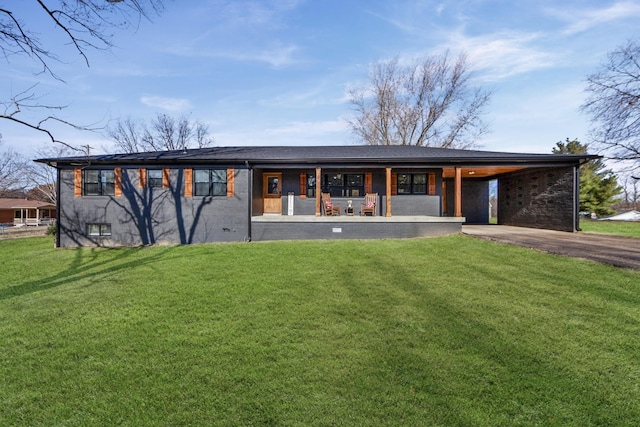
<point x="44" y="215"/>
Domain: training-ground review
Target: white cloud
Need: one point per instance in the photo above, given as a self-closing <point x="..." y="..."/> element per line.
<point x="504" y="54"/>
<point x="583" y="20"/>
<point x="168" y="104"/>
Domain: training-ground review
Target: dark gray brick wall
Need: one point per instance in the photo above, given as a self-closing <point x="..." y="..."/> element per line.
<point x="538" y="198"/>
<point x="144" y="216"/>
<point x="475" y="200"/>
<point x="283" y="230"/>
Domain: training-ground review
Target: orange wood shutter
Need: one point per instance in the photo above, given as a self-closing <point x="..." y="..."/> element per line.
<point x="368" y="182"/>
<point x="117" y="182"/>
<point x="142" y="178"/>
<point x="166" y="175"/>
<point x="77" y="182"/>
<point x="188" y="182"/>
<point x="394" y="184"/>
<point x="303" y="185"/>
<point x="432" y="184"/>
<point x="231" y="184"/>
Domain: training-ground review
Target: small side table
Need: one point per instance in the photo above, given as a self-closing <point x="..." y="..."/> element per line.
<point x="349" y="210"/>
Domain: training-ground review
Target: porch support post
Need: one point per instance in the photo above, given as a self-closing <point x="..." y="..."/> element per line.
<point x="318" y="190"/>
<point x="458" y="193"/>
<point x="388" y="191"/>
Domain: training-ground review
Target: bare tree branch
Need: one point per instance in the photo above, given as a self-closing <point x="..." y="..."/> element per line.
<point x="12" y="168"/>
<point x="86" y="24"/>
<point x="164" y="133"/>
<point x="613" y="103"/>
<point x="427" y="103"/>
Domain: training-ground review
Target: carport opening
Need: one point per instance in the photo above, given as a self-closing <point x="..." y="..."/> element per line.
<point x="493" y="201"/>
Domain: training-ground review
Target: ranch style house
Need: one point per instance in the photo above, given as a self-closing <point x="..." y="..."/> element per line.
<point x="235" y="194"/>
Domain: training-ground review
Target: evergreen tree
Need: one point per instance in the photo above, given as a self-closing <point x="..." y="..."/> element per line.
<point x="598" y="186"/>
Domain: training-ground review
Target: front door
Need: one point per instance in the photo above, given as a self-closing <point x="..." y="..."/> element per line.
<point x="272" y="192"/>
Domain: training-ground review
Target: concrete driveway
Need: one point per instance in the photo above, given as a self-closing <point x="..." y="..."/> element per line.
<point x="614" y="250"/>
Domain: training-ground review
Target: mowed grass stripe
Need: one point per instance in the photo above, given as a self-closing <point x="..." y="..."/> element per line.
<point x="442" y="331"/>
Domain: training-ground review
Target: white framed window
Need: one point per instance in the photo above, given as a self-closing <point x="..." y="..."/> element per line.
<point x="99" y="229"/>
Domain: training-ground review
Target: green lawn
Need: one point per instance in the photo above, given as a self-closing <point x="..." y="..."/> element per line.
<point x="450" y="331"/>
<point x="622" y="228"/>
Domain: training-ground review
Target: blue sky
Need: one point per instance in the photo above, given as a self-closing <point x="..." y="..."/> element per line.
<point x="277" y="72"/>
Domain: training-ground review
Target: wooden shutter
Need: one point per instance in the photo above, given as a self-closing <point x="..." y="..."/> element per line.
<point x="231" y="176"/>
<point x="166" y="175"/>
<point x="188" y="182"/>
<point x="117" y="181"/>
<point x="77" y="182"/>
<point x="303" y="185"/>
<point x="368" y="182"/>
<point x="432" y="184"/>
<point x="394" y="184"/>
<point x="142" y="178"/>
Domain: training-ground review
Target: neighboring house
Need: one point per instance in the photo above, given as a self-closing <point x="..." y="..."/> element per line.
<point x="26" y="212"/>
<point x="225" y="194"/>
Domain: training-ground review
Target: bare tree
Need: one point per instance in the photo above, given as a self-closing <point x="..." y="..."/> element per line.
<point x="613" y="103"/>
<point x="13" y="176"/>
<point x="164" y="133"/>
<point x="86" y="25"/>
<point x="427" y="103"/>
<point x="43" y="177"/>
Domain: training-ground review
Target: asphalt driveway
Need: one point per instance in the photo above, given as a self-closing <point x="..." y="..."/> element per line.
<point x="614" y="250"/>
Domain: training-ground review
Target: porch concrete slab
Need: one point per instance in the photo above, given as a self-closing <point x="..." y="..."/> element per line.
<point x="614" y="250"/>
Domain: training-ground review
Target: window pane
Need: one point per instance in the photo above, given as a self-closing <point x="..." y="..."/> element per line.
<point x="154" y="177"/>
<point x="201" y="189"/>
<point x="201" y="175"/>
<point x="420" y="184"/>
<point x="335" y="180"/>
<point x="108" y="187"/>
<point x="105" y="229"/>
<point x="91" y="183"/>
<point x="92" y="176"/>
<point x="93" y="229"/>
<point x="354" y="180"/>
<point x="219" y="189"/>
<point x="219" y="175"/>
<point x="354" y="185"/>
<point x="311" y="185"/>
<point x="335" y="184"/>
<point x="404" y="183"/>
<point x="202" y="182"/>
<point x="91" y="189"/>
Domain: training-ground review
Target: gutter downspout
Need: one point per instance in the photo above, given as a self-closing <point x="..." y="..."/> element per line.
<point x="250" y="199"/>
<point x="576" y="198"/>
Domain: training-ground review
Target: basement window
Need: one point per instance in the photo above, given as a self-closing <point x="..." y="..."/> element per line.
<point x="99" y="230"/>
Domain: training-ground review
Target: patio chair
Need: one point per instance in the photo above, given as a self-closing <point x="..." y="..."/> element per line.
<point x="330" y="208"/>
<point x="368" y="208"/>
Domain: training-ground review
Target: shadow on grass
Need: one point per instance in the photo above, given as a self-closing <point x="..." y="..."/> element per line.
<point x="87" y="264"/>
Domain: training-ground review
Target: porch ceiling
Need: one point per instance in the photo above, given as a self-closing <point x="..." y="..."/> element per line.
<point x="480" y="171"/>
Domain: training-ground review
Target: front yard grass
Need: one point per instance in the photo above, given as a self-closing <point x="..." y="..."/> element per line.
<point x="621" y="228"/>
<point x="443" y="331"/>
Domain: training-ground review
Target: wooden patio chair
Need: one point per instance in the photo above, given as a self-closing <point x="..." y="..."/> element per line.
<point x="368" y="208"/>
<point x="330" y="208"/>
